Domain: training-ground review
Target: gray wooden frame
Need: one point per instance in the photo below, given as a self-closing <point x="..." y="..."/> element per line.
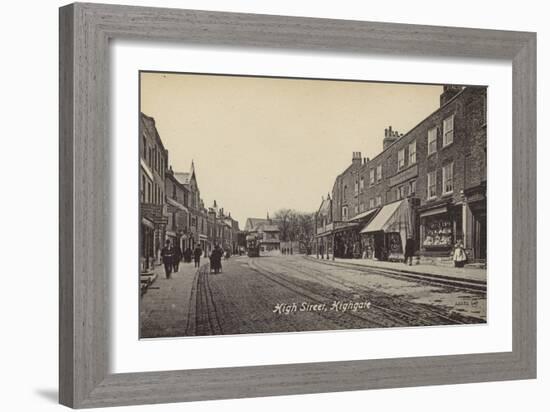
<point x="85" y="31"/>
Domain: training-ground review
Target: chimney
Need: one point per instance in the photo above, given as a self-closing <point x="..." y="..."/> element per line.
<point x="449" y="91"/>
<point x="390" y="136"/>
<point x="356" y="158"/>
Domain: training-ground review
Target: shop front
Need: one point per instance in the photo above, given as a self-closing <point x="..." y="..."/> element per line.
<point x="147" y="244"/>
<point x="475" y="223"/>
<point x="385" y="235"/>
<point x="440" y="229"/>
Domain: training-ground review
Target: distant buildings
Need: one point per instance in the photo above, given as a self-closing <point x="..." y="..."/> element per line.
<point x="171" y="206"/>
<point x="428" y="184"/>
<point x="266" y="232"/>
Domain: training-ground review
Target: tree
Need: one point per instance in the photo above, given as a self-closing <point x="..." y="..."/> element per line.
<point x="295" y="226"/>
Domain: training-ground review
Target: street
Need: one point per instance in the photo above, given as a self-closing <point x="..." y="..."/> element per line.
<point x="298" y="293"/>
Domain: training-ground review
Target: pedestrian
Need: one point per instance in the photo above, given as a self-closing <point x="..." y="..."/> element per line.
<point x="177" y="258"/>
<point x="216" y="259"/>
<point x="187" y="255"/>
<point x="197" y="255"/>
<point x="459" y="255"/>
<point x="409" y="250"/>
<point x="167" y="254"/>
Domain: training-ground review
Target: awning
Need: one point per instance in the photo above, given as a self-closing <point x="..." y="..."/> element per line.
<point x="363" y="215"/>
<point x="435" y="211"/>
<point x="392" y="218"/>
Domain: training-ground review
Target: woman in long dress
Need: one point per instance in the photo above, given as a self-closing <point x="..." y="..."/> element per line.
<point x="459" y="255"/>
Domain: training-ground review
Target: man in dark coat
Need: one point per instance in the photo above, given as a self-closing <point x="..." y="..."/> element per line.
<point x="197" y="255"/>
<point x="176" y="258"/>
<point x="167" y="254"/>
<point x="409" y="250"/>
<point x="188" y="255"/>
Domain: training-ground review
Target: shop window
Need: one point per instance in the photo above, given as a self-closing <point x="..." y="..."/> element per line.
<point x="412" y="152"/>
<point x="438" y="232"/>
<point x="448" y="178"/>
<point x="432" y="141"/>
<point x="432" y="185"/>
<point x="378" y="173"/>
<point x="448" y="131"/>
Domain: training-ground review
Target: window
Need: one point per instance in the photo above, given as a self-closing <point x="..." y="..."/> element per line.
<point x="378" y="173"/>
<point x="149" y="192"/>
<point x="174" y="192"/>
<point x="144" y="148"/>
<point x="371" y="203"/>
<point x="448" y="130"/>
<point x="412" y="187"/>
<point x="401" y="159"/>
<point x="403" y="191"/>
<point x="432" y="182"/>
<point x="362" y="207"/>
<point x="447" y="178"/>
<point x="345" y="190"/>
<point x="142" y="189"/>
<point x="371" y="176"/>
<point x="412" y="152"/>
<point x="378" y="201"/>
<point x="356" y="209"/>
<point x="344" y="213"/>
<point x="361" y="184"/>
<point x="356" y="187"/>
<point x="432" y="141"/>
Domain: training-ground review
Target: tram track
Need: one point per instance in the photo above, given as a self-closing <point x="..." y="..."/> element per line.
<point x="473" y="286"/>
<point x="408" y="314"/>
<point x="376" y="296"/>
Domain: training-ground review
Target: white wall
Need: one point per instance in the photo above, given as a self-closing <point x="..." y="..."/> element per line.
<point x="29" y="205"/>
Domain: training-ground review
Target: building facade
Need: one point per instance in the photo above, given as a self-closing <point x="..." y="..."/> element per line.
<point x="171" y="207"/>
<point x="267" y="234"/>
<point x="153" y="160"/>
<point x="428" y="184"/>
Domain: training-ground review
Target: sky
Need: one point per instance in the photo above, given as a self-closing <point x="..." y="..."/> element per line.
<point x="263" y="144"/>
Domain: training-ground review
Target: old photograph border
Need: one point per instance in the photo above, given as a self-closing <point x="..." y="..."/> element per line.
<point x="85" y="31"/>
<point x="157" y="321"/>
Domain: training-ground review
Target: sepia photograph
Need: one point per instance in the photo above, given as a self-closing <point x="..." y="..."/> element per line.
<point x="284" y="205"/>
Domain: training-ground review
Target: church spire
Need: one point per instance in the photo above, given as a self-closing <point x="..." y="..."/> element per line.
<point x="192" y="167"/>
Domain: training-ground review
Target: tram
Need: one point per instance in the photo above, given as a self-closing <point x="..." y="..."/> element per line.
<point x="252" y="246"/>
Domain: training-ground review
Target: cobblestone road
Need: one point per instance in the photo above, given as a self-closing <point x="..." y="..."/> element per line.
<point x="292" y="293"/>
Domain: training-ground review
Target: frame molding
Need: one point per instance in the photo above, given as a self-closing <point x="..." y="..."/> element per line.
<point x="84" y="34"/>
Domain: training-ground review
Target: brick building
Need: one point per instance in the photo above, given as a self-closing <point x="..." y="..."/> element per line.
<point x="153" y="159"/>
<point x="428" y="184"/>
<point x="171" y="206"/>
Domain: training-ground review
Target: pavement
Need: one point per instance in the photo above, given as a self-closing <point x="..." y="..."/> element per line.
<point x="470" y="274"/>
<point x="166" y="305"/>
